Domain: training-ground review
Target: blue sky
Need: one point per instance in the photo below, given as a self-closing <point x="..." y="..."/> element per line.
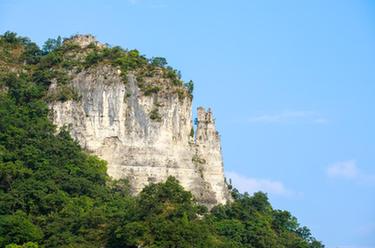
<point x="291" y="83"/>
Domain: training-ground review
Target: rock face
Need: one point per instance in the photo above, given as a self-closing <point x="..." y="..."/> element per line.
<point x="144" y="137"/>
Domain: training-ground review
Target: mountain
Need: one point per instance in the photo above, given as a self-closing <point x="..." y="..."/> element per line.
<point x="140" y="122"/>
<point x="64" y="103"/>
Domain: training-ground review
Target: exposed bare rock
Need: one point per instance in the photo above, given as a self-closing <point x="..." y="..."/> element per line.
<point x="84" y="41"/>
<point x="144" y="137"/>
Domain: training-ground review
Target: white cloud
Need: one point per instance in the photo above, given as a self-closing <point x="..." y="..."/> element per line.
<point x="343" y="169"/>
<point x="350" y="171"/>
<point x="251" y="185"/>
<point x="289" y="116"/>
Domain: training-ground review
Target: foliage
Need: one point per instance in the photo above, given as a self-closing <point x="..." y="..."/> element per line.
<point x="180" y="93"/>
<point x="26" y="245"/>
<point x="155" y="115"/>
<point x="17" y="228"/>
<point x="49" y="187"/>
<point x="190" y="87"/>
<point x="54" y="194"/>
<point x="158" y="61"/>
<point x="250" y="221"/>
<point x="15" y="50"/>
<point x="52" y="44"/>
<point x="192" y="132"/>
<point x="62" y="93"/>
<point x="151" y="89"/>
<point x="126" y="60"/>
<point x="165" y="216"/>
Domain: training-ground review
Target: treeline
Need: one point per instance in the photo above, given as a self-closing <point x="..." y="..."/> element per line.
<point x="53" y="194"/>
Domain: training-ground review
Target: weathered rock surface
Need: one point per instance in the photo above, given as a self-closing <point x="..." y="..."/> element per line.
<point x="113" y="120"/>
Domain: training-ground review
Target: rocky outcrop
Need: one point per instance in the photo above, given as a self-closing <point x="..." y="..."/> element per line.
<point x="144" y="137"/>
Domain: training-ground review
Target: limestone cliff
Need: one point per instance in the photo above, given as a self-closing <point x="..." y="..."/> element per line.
<point x="145" y="136"/>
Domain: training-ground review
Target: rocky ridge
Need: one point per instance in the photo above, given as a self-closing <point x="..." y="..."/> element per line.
<point x="143" y="127"/>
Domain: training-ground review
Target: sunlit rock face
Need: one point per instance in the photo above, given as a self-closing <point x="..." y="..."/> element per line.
<point x="144" y="137"/>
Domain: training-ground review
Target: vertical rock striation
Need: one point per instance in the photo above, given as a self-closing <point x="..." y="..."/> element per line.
<point x="144" y="137"/>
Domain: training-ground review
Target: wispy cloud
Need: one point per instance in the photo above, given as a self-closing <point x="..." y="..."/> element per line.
<point x="343" y="169"/>
<point x="251" y="185"/>
<point x="289" y="116"/>
<point x="349" y="170"/>
<point x="367" y="230"/>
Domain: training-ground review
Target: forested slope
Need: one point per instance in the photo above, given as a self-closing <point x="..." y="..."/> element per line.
<point x="54" y="194"/>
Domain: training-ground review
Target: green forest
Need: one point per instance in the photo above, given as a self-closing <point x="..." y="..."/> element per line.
<point x="54" y="194"/>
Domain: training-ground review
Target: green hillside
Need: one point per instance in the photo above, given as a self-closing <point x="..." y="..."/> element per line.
<point x="54" y="194"/>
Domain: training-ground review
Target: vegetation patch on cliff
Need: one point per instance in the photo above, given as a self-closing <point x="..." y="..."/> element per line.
<point x="60" y="59"/>
<point x="153" y="75"/>
<point x="155" y="115"/>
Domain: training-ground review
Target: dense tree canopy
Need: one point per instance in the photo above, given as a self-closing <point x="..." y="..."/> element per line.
<point x="53" y="194"/>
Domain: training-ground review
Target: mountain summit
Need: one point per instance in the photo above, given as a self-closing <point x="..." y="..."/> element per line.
<point x="138" y="119"/>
